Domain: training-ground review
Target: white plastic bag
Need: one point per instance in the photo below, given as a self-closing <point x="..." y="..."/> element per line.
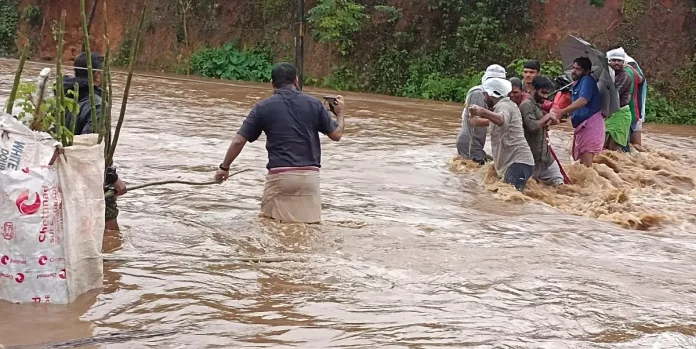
<point x="52" y="217"/>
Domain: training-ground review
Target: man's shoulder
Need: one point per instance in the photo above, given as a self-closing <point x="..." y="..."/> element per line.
<point x="506" y="104"/>
<point x="279" y="98"/>
<point x="475" y="90"/>
<point x="527" y="106"/>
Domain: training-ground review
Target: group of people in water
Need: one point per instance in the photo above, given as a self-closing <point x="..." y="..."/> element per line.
<point x="518" y="113"/>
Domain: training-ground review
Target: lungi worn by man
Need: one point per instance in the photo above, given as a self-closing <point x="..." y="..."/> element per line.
<point x="292" y="122"/>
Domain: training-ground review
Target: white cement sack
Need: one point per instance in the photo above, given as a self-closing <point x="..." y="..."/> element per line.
<point x="32" y="257"/>
<point x="52" y="218"/>
<point x="21" y="147"/>
<point x="82" y="180"/>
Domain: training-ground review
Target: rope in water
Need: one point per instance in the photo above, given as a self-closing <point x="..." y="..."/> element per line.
<point x="272" y="259"/>
<point x="111" y="193"/>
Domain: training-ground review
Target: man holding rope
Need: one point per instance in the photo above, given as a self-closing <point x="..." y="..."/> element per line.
<point x="292" y="122"/>
<point x="83" y="124"/>
<point x="536" y="125"/>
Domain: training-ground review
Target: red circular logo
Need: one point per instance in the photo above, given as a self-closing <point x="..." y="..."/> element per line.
<point x="19" y="278"/>
<point x="43" y="260"/>
<point x="62" y="274"/>
<point x="26" y="206"/>
<point x="4" y="260"/>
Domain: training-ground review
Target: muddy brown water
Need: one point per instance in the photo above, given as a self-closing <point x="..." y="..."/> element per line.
<point x="414" y="252"/>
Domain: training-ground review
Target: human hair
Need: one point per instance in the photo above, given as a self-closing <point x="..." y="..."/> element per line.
<point x="542" y="82"/>
<point x="283" y="74"/>
<point x="533" y="64"/>
<point x="81" y="64"/>
<point x="516" y="82"/>
<point x="584" y="63"/>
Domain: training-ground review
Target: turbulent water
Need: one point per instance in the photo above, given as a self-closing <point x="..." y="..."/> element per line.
<point x="418" y="249"/>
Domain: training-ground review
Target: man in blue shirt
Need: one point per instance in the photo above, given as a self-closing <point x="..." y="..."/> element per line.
<point x="586" y="114"/>
<point x="292" y="122"/>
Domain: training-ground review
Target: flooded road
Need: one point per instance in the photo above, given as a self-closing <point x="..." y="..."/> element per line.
<point x="413" y="253"/>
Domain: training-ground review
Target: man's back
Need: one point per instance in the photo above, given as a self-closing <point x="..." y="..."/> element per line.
<point x="507" y="140"/>
<point x="471" y="140"/>
<point x="291" y="121"/>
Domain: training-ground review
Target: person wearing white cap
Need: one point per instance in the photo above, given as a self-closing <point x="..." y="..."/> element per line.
<point x="639" y="92"/>
<point x="471" y="138"/>
<point x="618" y="125"/>
<point x="512" y="157"/>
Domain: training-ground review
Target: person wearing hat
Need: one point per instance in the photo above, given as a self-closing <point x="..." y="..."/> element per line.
<point x="512" y="157"/>
<point x="618" y="125"/>
<point x="472" y="138"/>
<point x="639" y="91"/>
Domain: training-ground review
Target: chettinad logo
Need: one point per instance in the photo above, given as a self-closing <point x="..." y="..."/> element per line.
<point x="6" y="260"/>
<point x="28" y="203"/>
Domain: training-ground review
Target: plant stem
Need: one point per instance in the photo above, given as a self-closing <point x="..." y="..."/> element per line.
<point x="90" y="73"/>
<point x="60" y="91"/>
<point x="124" y="102"/>
<point x="73" y="119"/>
<point x="17" y="79"/>
<point x="106" y="90"/>
<point x="92" y="12"/>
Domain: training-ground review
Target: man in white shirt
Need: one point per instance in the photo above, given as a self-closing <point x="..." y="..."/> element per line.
<point x="512" y="157"/>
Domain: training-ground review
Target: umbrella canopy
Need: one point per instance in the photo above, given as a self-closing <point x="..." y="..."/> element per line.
<point x="573" y="47"/>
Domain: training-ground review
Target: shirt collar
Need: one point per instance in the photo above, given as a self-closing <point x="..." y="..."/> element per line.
<point x="286" y="89"/>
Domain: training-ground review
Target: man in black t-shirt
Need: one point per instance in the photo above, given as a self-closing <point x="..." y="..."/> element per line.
<point x="292" y="122"/>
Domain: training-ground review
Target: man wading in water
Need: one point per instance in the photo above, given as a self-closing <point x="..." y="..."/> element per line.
<point x="586" y="110"/>
<point x="471" y="139"/>
<point x="292" y="122"/>
<point x="84" y="124"/>
<point x="511" y="155"/>
<point x="618" y="125"/>
<point x="536" y="126"/>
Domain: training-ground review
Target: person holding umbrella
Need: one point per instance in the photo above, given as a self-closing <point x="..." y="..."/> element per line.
<point x="585" y="113"/>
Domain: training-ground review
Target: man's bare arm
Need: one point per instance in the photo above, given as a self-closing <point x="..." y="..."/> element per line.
<point x="493" y="117"/>
<point x="338" y="132"/>
<point x="233" y="151"/>
<point x="478" y="122"/>
<point x="340" y="110"/>
<point x="581" y="102"/>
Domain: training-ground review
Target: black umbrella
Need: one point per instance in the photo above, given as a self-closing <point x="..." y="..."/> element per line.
<point x="573" y="47"/>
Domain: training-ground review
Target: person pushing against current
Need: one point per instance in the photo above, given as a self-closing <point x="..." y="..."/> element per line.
<point x="292" y="122"/>
<point x="511" y="155"/>
<point x="472" y="139"/>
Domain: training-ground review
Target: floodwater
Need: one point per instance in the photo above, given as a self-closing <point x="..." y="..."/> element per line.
<point x="417" y="250"/>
